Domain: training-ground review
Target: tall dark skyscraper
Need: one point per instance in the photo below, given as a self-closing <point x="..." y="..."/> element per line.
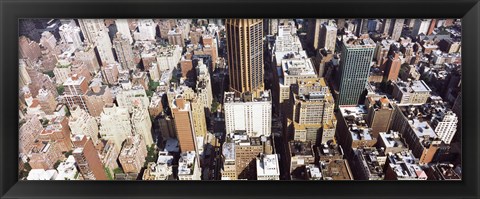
<point x="357" y="55"/>
<point x="245" y="55"/>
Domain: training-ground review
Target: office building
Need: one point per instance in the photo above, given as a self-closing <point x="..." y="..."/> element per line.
<point x="397" y="29"/>
<point x="391" y="142"/>
<point x="249" y="113"/>
<point x="245" y="55"/>
<point x="380" y="114"/>
<point x="247" y="149"/>
<point x="123" y="27"/>
<point x="421" y="26"/>
<point x="414" y="92"/>
<point x="357" y="54"/>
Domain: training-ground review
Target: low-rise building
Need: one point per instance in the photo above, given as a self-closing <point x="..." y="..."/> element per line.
<point x="268" y="167"/>
<point x="188" y="166"/>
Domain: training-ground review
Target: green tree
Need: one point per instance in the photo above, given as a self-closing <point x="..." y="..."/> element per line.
<point x="215" y="105"/>
<point x="117" y="170"/>
<point x="109" y="174"/>
<point x="60" y="89"/>
<point x="57" y="163"/>
<point x="68" y="153"/>
<point x="151" y="154"/>
<point x="49" y="73"/>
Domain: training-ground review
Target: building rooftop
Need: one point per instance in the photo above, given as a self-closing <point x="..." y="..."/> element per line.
<point x="186" y="163"/>
<point x="368" y="157"/>
<point x="405" y="166"/>
<point x="313" y="172"/>
<point x="392" y="139"/>
<point x="336" y="170"/>
<point x="265" y="96"/>
<point x="267" y="165"/>
<point x="298" y="148"/>
<point x="228" y="150"/>
<point x="355" y="118"/>
<point x="413" y="86"/>
<point x="41" y="174"/>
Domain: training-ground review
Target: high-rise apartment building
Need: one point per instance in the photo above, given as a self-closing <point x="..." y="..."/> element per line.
<point x="95" y="31"/>
<point x="328" y="37"/>
<point x="87" y="159"/>
<point x="245" y="55"/>
<point x="81" y="123"/>
<point x="142" y="124"/>
<point x="123" y="28"/>
<point x="133" y="153"/>
<point x="71" y="35"/>
<point x="124" y="51"/>
<point x="356" y="59"/>
<point x="421" y="26"/>
<point x="75" y="89"/>
<point x="397" y="29"/>
<point x="115" y="125"/>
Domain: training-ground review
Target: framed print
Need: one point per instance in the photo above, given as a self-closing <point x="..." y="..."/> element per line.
<point x="162" y="99"/>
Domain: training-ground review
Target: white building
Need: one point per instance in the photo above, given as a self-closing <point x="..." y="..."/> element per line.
<point x="42" y="174"/>
<point x="126" y="98"/>
<point x="188" y="166"/>
<point x="81" y="123"/>
<point x="253" y="115"/>
<point x="71" y="35"/>
<point x="48" y="40"/>
<point x="446" y="126"/>
<point x="142" y="124"/>
<point x="268" y="167"/>
<point x="67" y="169"/>
<point x="115" y="125"/>
<point x="146" y="30"/>
<point x="168" y="57"/>
<point x="421" y="26"/>
<point x="123" y="27"/>
<point x="96" y="32"/>
<point x="62" y="71"/>
<point x="204" y="85"/>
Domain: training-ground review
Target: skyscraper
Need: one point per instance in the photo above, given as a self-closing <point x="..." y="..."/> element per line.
<point x="397" y="29"/>
<point x="357" y="55"/>
<point x="328" y="37"/>
<point x="245" y="55"/>
<point x="124" y="51"/>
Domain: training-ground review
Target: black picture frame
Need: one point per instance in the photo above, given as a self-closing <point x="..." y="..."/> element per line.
<point x="12" y="10"/>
